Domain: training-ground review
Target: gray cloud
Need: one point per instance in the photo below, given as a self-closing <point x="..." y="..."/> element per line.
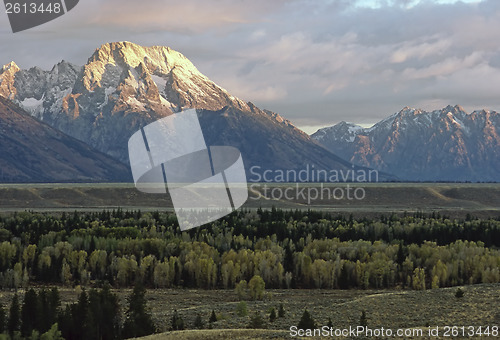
<point x="315" y="62"/>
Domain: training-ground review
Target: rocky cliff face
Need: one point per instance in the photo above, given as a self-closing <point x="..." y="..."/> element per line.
<point x="31" y="151"/>
<point x="7" y="79"/>
<point x="442" y="145"/>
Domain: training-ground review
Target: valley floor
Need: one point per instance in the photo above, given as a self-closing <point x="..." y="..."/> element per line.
<point x="451" y="199"/>
<point x="391" y="309"/>
<point x="385" y="308"/>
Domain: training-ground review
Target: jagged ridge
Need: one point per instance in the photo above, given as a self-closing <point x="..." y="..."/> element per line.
<point x="442" y="145"/>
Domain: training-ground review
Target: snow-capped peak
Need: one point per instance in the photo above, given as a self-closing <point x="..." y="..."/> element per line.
<point x="176" y="79"/>
<point x="157" y="59"/>
<point x="346" y="131"/>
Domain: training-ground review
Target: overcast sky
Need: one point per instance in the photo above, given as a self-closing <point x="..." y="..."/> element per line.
<point x="316" y="62"/>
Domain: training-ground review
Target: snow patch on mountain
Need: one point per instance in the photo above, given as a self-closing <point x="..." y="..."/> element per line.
<point x="107" y="92"/>
<point x="32" y="105"/>
<point x="160" y="82"/>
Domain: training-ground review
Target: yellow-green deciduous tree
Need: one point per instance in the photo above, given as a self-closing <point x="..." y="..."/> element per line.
<point x="257" y="287"/>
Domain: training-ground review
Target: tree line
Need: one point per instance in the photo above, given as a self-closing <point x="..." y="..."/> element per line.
<point x="287" y="249"/>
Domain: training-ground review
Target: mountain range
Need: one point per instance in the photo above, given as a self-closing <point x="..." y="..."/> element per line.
<point x="124" y="86"/>
<point x="443" y="145"/>
<point x="94" y="109"/>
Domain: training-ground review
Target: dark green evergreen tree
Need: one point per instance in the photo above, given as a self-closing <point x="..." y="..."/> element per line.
<point x="3" y="319"/>
<point x="213" y="317"/>
<point x="344" y="280"/>
<point x="104" y="314"/>
<point x="109" y="317"/>
<point x="82" y="323"/>
<point x="272" y="315"/>
<point x="43" y="312"/>
<point x="66" y="322"/>
<point x="48" y="304"/>
<point x="54" y="305"/>
<point x="401" y="256"/>
<point x="281" y="311"/>
<point x="29" y="312"/>
<point x="362" y="319"/>
<point x="138" y="320"/>
<point x="14" y="323"/>
<point x="306" y="321"/>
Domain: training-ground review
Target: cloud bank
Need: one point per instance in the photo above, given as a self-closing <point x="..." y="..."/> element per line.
<point x="315" y="62"/>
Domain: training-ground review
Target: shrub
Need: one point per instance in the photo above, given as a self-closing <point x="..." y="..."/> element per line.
<point x="241" y="289"/>
<point x="177" y="322"/>
<point x="198" y="322"/>
<point x="256" y="321"/>
<point x="241" y="309"/>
